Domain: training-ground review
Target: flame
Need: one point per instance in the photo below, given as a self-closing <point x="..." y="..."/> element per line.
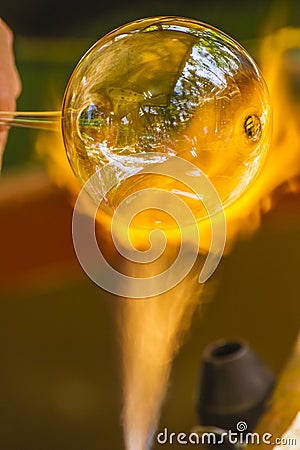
<point x="282" y="166"/>
<point x="151" y="330"/>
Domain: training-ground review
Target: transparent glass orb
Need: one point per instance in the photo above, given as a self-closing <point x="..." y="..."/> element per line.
<point x="166" y="86"/>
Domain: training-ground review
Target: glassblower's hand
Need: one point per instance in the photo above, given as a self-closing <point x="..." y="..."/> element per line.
<point x="10" y="84"/>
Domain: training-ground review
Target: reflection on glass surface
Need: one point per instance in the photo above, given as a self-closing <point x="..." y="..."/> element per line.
<point x="167" y="86"/>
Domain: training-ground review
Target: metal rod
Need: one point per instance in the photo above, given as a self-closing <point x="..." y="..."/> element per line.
<point x="41" y="120"/>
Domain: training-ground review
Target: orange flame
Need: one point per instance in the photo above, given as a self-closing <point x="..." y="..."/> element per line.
<point x="151" y="329"/>
<point x="282" y="167"/>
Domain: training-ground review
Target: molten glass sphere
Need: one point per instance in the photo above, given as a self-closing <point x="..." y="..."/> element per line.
<point x="166" y="86"/>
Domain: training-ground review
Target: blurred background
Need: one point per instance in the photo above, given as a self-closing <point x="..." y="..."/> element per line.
<point x="59" y="364"/>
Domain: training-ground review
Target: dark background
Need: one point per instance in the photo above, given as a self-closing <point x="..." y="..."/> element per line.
<point x="68" y="18"/>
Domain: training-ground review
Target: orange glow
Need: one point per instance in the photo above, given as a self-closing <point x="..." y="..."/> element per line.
<point x="151" y="329"/>
<point x="282" y="166"/>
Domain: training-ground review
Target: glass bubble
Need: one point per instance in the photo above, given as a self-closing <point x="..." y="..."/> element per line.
<point x="167" y="86"/>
